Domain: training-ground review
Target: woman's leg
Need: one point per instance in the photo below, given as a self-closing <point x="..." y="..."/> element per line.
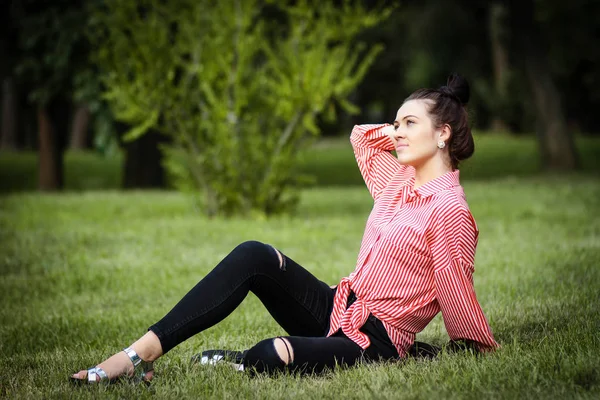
<point x="297" y="300"/>
<point x="309" y="354"/>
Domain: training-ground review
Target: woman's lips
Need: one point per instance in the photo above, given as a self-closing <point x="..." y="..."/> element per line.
<point x="401" y="146"/>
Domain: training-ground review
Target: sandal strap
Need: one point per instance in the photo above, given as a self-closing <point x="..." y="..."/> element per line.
<point x="140" y="367"/>
<point x="91" y="375"/>
<point x="95" y="372"/>
<point x="100" y="372"/>
<point x="133" y="356"/>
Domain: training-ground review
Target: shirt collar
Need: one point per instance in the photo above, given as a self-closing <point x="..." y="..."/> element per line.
<point x="446" y="181"/>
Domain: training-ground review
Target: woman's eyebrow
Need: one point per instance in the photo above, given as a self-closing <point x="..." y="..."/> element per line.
<point x="407" y="116"/>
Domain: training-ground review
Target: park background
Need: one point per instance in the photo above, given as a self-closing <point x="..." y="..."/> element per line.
<point x="142" y="140"/>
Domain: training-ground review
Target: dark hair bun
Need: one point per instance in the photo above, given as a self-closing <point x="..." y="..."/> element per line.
<point x="459" y="87"/>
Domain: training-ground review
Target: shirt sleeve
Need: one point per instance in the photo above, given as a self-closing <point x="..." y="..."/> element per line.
<point x="453" y="241"/>
<point x="372" y="149"/>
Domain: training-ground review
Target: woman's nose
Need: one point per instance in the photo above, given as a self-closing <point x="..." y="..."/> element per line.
<point x="398" y="133"/>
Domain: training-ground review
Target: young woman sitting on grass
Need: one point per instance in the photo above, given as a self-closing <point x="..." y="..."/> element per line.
<point x="416" y="259"/>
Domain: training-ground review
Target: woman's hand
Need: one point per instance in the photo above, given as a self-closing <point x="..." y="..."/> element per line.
<point x="390" y="131"/>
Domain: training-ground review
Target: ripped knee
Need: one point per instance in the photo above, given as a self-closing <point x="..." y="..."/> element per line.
<point x="284" y="350"/>
<point x="280" y="258"/>
<point x="252" y="248"/>
<point x="269" y="355"/>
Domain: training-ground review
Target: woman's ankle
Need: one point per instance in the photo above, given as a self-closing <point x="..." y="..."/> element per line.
<point x="148" y="347"/>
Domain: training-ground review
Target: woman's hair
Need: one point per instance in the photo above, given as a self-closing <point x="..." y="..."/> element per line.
<point x="447" y="105"/>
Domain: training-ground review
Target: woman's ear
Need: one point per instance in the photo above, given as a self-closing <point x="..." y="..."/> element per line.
<point x="445" y="133"/>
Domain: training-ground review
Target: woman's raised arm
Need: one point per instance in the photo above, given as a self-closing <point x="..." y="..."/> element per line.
<point x="372" y="146"/>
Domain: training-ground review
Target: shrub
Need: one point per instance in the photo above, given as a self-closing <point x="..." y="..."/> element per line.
<point x="237" y="85"/>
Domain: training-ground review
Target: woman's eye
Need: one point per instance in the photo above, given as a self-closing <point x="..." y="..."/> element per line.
<point x="409" y="122"/>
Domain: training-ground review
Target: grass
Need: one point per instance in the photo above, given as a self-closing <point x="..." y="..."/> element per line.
<point x="85" y="273"/>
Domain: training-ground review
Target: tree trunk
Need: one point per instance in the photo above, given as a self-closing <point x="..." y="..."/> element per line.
<point x="79" y="128"/>
<point x="497" y="13"/>
<point x="50" y="156"/>
<point x="8" y="137"/>
<point x="53" y="123"/>
<point x="143" y="163"/>
<point x="557" y="145"/>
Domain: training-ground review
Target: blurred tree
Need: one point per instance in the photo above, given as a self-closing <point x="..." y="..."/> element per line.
<point x="53" y="67"/>
<point x="10" y="113"/>
<point x="94" y="113"/>
<point x="142" y="165"/>
<point x="426" y="40"/>
<point x="9" y="95"/>
<point x="499" y="91"/>
<point x="236" y="93"/>
<point x="500" y="59"/>
<point x="52" y="47"/>
<point x="79" y="128"/>
<point x="143" y="159"/>
<point x="571" y="34"/>
<point x="502" y="48"/>
<point x="557" y="144"/>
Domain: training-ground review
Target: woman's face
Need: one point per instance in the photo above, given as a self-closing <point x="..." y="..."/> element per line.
<point x="415" y="135"/>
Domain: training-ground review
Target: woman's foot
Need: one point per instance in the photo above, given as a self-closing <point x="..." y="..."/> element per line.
<point x="214" y="357"/>
<point x="143" y="352"/>
<point x="116" y="366"/>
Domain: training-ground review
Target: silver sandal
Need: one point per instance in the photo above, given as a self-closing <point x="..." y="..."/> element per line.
<point x="214" y="357"/>
<point x="140" y="369"/>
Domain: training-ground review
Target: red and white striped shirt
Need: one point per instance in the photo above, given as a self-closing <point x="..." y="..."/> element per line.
<point x="416" y="257"/>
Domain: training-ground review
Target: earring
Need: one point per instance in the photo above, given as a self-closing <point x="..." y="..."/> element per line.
<point x="441" y="144"/>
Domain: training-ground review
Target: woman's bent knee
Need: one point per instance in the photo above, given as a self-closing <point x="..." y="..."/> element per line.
<point x="265" y="356"/>
<point x="250" y="246"/>
<point x="256" y="250"/>
<point x="250" y="250"/>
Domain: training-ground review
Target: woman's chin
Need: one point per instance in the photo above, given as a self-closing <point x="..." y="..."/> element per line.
<point x="405" y="160"/>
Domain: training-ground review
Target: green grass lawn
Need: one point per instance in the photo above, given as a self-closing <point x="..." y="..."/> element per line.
<point x="84" y="274"/>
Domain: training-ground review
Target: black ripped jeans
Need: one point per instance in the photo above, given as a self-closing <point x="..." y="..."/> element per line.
<point x="298" y="301"/>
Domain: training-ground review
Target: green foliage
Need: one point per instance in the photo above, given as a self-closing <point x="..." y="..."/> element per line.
<point x="238" y="92"/>
<point x="51" y="44"/>
<point x="53" y="61"/>
<point x="87" y="89"/>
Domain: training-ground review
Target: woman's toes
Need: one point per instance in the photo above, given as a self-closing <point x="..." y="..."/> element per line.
<point x="80" y="375"/>
<point x="149" y="375"/>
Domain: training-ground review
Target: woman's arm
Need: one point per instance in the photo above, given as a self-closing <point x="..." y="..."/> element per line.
<point x="372" y="146"/>
<point x="453" y="242"/>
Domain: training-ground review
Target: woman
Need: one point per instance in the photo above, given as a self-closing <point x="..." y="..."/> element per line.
<point x="416" y="259"/>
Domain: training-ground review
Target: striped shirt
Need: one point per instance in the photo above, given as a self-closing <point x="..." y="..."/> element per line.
<point x="416" y="257"/>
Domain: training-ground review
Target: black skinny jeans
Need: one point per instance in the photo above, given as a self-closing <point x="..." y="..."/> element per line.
<point x="298" y="301"/>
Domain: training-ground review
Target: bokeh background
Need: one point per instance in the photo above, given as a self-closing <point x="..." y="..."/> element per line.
<point x="532" y="66"/>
